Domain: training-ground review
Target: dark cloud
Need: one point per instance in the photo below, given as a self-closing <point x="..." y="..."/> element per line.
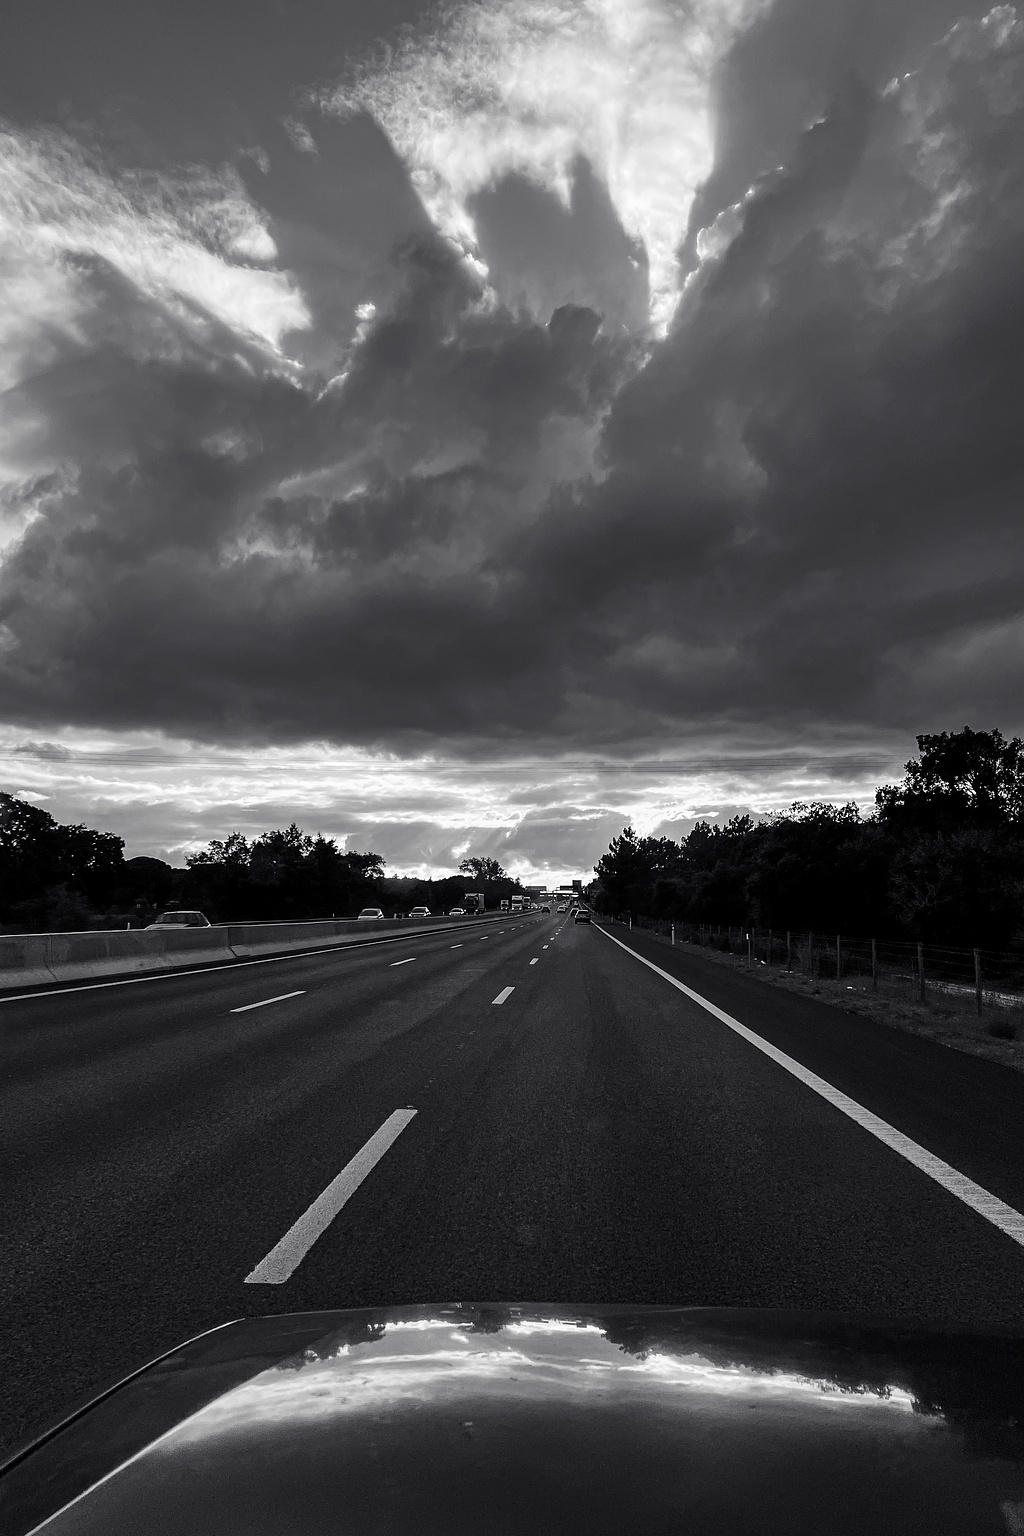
<point x="339" y="201"/>
<point x="43" y="751"/>
<point x="541" y="255"/>
<point x="564" y="837"/>
<point x="498" y="525"/>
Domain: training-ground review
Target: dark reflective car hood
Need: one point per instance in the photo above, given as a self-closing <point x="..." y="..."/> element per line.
<point x="529" y="1418"/>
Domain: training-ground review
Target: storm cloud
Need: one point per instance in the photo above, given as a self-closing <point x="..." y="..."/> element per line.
<point x="405" y="428"/>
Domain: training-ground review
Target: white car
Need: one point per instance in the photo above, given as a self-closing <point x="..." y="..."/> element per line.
<point x="457" y="912"/>
<point x="420" y="912"/>
<point x="181" y="920"/>
<point x="370" y="915"/>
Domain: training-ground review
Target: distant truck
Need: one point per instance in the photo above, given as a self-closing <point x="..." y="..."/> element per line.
<point x="518" y="903"/>
<point x="504" y="904"/>
<point x="473" y="901"/>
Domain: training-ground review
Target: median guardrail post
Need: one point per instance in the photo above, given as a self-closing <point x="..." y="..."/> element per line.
<point x="673" y="935"/>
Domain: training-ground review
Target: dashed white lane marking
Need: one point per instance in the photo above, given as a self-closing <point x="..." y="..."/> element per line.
<point x="989" y="1206"/>
<point x="401" y="962"/>
<point x="506" y="992"/>
<point x="533" y="962"/>
<point x="289" y="1253"/>
<point x="265" y="1000"/>
<point x="455" y="946"/>
<point x="544" y="946"/>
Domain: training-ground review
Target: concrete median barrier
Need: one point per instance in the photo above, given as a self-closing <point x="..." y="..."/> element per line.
<point x="24" y="960"/>
<point x="269" y="938"/>
<point x="40" y="959"/>
<point x="120" y="951"/>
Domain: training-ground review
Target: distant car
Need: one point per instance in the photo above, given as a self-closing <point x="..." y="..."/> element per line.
<point x="545" y="909"/>
<point x="457" y="912"/>
<point x="420" y="912"/>
<point x="370" y="915"/>
<point x="180" y="920"/>
<point x="562" y="907"/>
<point x="581" y="915"/>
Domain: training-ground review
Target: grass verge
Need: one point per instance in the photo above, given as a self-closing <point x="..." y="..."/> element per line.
<point x="939" y="1017"/>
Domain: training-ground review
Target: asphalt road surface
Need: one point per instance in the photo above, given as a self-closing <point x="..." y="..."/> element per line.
<point x="524" y="1113"/>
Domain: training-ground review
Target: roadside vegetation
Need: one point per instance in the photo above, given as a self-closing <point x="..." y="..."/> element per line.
<point x="56" y="878"/>
<point x="940" y="860"/>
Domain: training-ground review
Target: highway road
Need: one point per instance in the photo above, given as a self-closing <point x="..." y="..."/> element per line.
<point x="536" y="1111"/>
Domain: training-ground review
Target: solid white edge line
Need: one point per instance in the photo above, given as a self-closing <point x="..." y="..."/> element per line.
<point x="407" y="961"/>
<point x="994" y="1210"/>
<point x="230" y="965"/>
<point x="265" y="1000"/>
<point x="503" y="995"/>
<point x="288" y="1254"/>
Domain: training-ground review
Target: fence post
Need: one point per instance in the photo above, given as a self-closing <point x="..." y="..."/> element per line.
<point x="789" y="951"/>
<point x="630" y="916"/>
<point x="920" y="973"/>
<point x="750" y="937"/>
<point x="769" y="948"/>
<point x="673" y="935"/>
<point x="874" y="965"/>
<point x="977" y="978"/>
<point x="839" y="957"/>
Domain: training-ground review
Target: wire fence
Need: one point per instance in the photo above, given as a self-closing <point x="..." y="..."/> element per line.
<point x="980" y="979"/>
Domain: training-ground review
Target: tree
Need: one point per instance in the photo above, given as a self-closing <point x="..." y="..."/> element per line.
<point x="961" y="778"/>
<point x="482" y="869"/>
<point x="44" y="865"/>
<point x="818" y="866"/>
<point x="961" y="888"/>
<point x="280" y="874"/>
<point x="630" y="869"/>
<point x="233" y="852"/>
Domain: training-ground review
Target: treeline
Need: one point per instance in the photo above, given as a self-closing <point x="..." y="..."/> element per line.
<point x="291" y="875"/>
<point x="57" y="878"/>
<point x="941" y="858"/>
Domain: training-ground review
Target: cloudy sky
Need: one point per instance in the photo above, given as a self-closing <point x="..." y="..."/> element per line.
<point x="470" y="427"/>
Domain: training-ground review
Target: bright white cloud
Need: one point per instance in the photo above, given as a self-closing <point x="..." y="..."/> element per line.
<point x="541" y="820"/>
<point x="527" y="86"/>
<point x="190" y="236"/>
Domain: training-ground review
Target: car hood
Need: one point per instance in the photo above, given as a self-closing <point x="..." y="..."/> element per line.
<point x="515" y="1417"/>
